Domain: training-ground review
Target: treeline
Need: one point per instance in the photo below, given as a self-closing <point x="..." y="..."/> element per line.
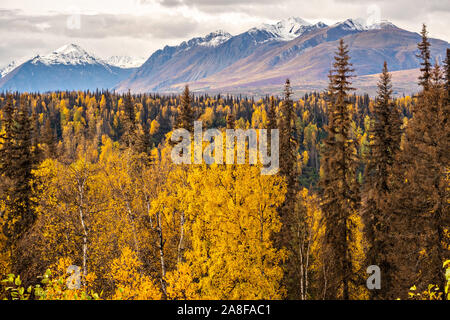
<point x="87" y="180"/>
<point x="62" y="122"/>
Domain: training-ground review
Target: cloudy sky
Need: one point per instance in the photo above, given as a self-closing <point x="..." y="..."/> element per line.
<point x="139" y="27"/>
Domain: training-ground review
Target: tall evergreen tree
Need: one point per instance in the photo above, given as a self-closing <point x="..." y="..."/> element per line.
<point x="143" y="140"/>
<point x="385" y="135"/>
<point x="340" y="190"/>
<point x="447" y="75"/>
<point x="425" y="56"/>
<point x="186" y="115"/>
<point x="37" y="153"/>
<point x="24" y="161"/>
<point x="230" y="120"/>
<point x="271" y="120"/>
<point x="420" y="201"/>
<point x="129" y="121"/>
<point x="49" y="139"/>
<point x="16" y="167"/>
<point x="288" y="143"/>
<point x="288" y="170"/>
<point x="272" y="114"/>
<point x="7" y="146"/>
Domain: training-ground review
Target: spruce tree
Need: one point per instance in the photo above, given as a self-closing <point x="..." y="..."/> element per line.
<point x="129" y="122"/>
<point x="186" y="113"/>
<point x="143" y="143"/>
<point x="288" y="170"/>
<point x="7" y="146"/>
<point x="288" y="150"/>
<point x="339" y="187"/>
<point x="16" y="168"/>
<point x="288" y="143"/>
<point x="425" y="56"/>
<point x="49" y="138"/>
<point x="23" y="162"/>
<point x="37" y="152"/>
<point x="271" y="121"/>
<point x="447" y="75"/>
<point x="419" y="203"/>
<point x="385" y="135"/>
<point x="230" y="120"/>
<point x="272" y="115"/>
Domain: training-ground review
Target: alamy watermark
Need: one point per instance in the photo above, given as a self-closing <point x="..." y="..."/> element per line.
<point x="374" y="280"/>
<point x="73" y="21"/>
<point x="73" y="282"/>
<point x="236" y="139"/>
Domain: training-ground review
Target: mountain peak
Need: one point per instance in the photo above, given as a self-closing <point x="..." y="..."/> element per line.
<point x="382" y="25"/>
<point x="287" y="29"/>
<point x="293" y="21"/>
<point x="216" y="38"/>
<point x="69" y="54"/>
<point x="212" y="39"/>
<point x="70" y="48"/>
<point x="219" y="33"/>
<point x="360" y="24"/>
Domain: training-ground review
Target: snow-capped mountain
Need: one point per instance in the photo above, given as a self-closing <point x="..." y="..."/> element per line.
<point x="67" y="68"/>
<point x="268" y="54"/>
<point x="69" y="54"/>
<point x="360" y="24"/>
<point x="201" y="57"/>
<point x="261" y="56"/>
<point x="213" y="39"/>
<point x="125" y="61"/>
<point x="7" y="69"/>
<point x="72" y="54"/>
<point x="287" y="29"/>
<point x="11" y="66"/>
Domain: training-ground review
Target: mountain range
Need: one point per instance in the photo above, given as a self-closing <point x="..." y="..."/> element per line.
<point x="254" y="62"/>
<point x="67" y="68"/>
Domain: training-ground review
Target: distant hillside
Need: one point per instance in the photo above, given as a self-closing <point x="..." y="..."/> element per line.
<point x="257" y="61"/>
<point x="67" y="68"/>
<point x="307" y="60"/>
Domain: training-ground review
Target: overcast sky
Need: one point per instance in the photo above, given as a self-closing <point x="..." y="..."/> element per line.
<point x="139" y="27"/>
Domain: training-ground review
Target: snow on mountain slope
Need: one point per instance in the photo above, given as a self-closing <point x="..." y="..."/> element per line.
<point x="125" y="61"/>
<point x="288" y="29"/>
<point x="212" y="39"/>
<point x="69" y="54"/>
<point x="11" y="66"/>
<point x="216" y="38"/>
<point x="306" y="60"/>
<point x="359" y="24"/>
<point x="196" y="58"/>
<point x="265" y="54"/>
<point x="67" y="68"/>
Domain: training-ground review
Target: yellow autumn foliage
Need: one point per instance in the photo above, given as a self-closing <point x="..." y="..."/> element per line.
<point x="130" y="282"/>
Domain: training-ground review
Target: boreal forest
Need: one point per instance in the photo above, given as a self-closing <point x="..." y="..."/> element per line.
<point x="93" y="207"/>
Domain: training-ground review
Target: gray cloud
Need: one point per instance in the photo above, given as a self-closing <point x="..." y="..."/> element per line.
<point x="426" y="6"/>
<point x="212" y="3"/>
<point x="139" y="27"/>
<point x="97" y="26"/>
<point x="250" y="7"/>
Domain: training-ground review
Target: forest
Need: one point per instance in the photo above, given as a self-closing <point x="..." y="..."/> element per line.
<point x="92" y="206"/>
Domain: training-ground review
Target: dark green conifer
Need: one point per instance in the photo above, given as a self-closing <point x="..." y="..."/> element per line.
<point x="425" y="57"/>
<point x="340" y="190"/>
<point x="186" y="113"/>
<point x="419" y="201"/>
<point x="385" y="135"/>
